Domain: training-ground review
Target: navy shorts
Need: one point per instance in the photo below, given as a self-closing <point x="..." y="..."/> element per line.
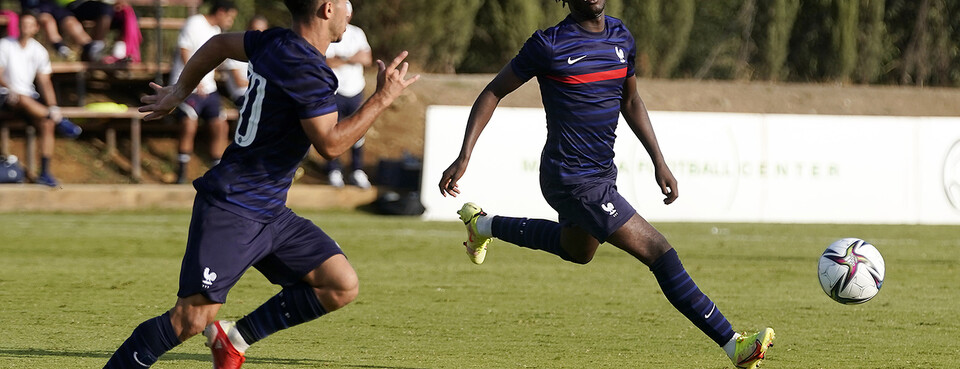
<point x="196" y="107"/>
<point x="51" y="7"/>
<point x="348" y="105"/>
<point x="595" y="206"/>
<point x="221" y="246"/>
<point x="91" y="10"/>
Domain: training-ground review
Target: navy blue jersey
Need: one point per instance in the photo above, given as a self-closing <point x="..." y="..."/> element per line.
<point x="581" y="76"/>
<point x="289" y="81"/>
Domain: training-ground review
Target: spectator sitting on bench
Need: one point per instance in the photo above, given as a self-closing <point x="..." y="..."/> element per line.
<point x="53" y="18"/>
<point x="205" y="101"/>
<point x="23" y="60"/>
<point x="106" y="15"/>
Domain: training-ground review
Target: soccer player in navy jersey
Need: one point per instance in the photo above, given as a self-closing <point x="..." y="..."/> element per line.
<point x="585" y="68"/>
<point x="239" y="217"/>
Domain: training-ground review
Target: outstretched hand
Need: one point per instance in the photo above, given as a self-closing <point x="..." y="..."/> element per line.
<point x="161" y="103"/>
<point x="391" y="81"/>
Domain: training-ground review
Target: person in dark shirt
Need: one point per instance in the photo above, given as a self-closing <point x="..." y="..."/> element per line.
<point x="585" y="68"/>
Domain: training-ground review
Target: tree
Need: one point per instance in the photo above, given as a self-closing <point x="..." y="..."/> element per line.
<point x="502" y="26"/>
<point x="874" y="46"/>
<point x="712" y="52"/>
<point x="844" y="38"/>
<point x="661" y="32"/>
<point x="436" y="33"/>
<point x="777" y="21"/>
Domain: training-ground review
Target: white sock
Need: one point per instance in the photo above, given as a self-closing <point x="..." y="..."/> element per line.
<point x="236" y="339"/>
<point x="485" y="225"/>
<point x="731" y="347"/>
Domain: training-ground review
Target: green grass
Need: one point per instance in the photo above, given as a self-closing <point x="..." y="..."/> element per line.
<point x="73" y="287"/>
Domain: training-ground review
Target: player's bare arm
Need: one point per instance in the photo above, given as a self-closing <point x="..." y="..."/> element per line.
<point x="503" y="84"/>
<point x="46" y="89"/>
<point x="635" y="113"/>
<point x="332" y="138"/>
<point x="208" y="57"/>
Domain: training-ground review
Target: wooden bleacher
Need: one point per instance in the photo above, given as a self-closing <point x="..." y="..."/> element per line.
<point x="129" y="120"/>
<point x="112" y="120"/>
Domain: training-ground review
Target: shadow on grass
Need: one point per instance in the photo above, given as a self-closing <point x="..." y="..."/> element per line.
<point x="38" y="352"/>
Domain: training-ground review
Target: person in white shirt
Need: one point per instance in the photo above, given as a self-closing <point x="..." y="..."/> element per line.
<point x="22" y="61"/>
<point x="347" y="58"/>
<point x="205" y="101"/>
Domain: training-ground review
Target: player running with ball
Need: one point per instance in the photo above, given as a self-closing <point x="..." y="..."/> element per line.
<point x="240" y="218"/>
<point x="585" y="67"/>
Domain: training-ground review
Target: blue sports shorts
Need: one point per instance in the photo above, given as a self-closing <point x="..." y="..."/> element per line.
<point x="221" y="246"/>
<point x="196" y="107"/>
<point x="595" y="206"/>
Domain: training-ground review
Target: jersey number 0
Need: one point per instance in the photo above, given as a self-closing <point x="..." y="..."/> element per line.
<point x="252" y="101"/>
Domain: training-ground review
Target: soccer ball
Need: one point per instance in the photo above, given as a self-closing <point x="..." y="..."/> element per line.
<point x="851" y="271"/>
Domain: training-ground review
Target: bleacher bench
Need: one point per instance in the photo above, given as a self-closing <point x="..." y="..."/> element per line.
<point x="130" y="116"/>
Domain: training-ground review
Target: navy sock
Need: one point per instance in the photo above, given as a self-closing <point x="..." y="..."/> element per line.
<point x="44" y="165"/>
<point x="356" y="157"/>
<point x="149" y="340"/>
<point x="684" y="294"/>
<point x="183" y="158"/>
<point x="292" y="306"/>
<point x="534" y="234"/>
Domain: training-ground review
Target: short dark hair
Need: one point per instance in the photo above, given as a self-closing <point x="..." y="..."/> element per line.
<point x="301" y="9"/>
<point x="225" y="5"/>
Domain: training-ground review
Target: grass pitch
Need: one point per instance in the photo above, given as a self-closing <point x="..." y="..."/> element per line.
<point x="73" y="287"/>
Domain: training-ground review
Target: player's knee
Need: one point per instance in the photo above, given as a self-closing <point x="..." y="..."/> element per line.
<point x="340" y="294"/>
<point x="653" y="249"/>
<point x="580" y="256"/>
<point x="580" y="259"/>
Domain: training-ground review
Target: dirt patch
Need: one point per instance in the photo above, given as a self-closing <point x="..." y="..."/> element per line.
<point x="401" y="128"/>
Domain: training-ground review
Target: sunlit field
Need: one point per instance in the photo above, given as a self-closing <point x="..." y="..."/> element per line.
<point x="73" y="287"/>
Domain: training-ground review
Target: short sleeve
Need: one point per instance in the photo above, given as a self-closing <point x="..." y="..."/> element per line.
<point x="41" y="58"/>
<point x="251" y="43"/>
<point x="362" y="43"/>
<point x="193" y="34"/>
<point x="315" y="93"/>
<point x="3" y="54"/>
<point x="43" y="62"/>
<point x="632" y="57"/>
<point x="185" y="39"/>
<point x="533" y="59"/>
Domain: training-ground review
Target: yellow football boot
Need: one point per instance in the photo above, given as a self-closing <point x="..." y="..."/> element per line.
<point x="476" y="244"/>
<point x="751" y="349"/>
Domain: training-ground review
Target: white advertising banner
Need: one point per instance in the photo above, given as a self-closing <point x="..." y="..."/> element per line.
<point x="729" y="167"/>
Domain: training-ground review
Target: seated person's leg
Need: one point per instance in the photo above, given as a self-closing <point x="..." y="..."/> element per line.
<point x="102" y="14"/>
<point x="188" y="115"/>
<point x="39" y="115"/>
<point x="210" y="110"/>
<point x="49" y="26"/>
